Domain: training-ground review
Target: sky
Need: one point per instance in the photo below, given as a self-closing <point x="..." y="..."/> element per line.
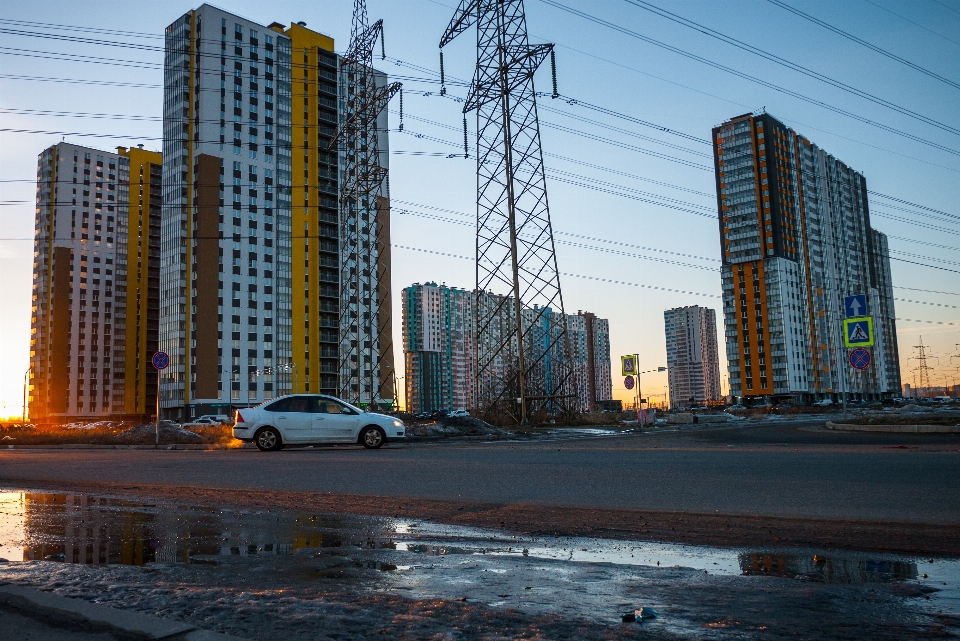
<point x="631" y="129"/>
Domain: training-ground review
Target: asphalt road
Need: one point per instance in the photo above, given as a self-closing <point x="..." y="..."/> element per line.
<point x="766" y="470"/>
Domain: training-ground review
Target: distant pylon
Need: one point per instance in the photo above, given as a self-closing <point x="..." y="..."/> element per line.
<point x="366" y="371"/>
<point x="522" y="349"/>
<point x="923" y="370"/>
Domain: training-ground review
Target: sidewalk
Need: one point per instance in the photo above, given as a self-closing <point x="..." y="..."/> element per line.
<point x="26" y="613"/>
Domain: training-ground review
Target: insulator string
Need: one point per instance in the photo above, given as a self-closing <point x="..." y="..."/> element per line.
<point x="443" y="88"/>
<point x="553" y="71"/>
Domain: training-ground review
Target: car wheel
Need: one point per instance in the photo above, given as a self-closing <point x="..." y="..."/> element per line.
<point x="372" y="437"/>
<point x="268" y="439"/>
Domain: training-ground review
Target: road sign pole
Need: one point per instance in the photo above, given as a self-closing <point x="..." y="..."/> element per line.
<point x="160" y="361"/>
<point x="639" y="397"/>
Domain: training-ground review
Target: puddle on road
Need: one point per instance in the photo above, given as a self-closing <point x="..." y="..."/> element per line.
<point x="422" y="560"/>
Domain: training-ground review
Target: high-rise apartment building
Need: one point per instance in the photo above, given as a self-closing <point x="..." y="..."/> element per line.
<point x="796" y="240"/>
<point x="693" y="365"/>
<point x="95" y="284"/>
<point x="438" y="348"/>
<point x="225" y="283"/>
<point x="252" y="293"/>
<point x="439" y="333"/>
<point x="590" y="346"/>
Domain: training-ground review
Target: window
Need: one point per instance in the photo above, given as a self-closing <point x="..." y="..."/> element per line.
<point x="328" y="406"/>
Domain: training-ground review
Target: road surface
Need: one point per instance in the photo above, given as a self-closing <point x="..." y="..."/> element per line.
<point x="768" y="470"/>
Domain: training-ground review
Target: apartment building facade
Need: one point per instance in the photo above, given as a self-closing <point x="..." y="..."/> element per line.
<point x="252" y="294"/>
<point x="439" y="334"/>
<point x="95" y="284"/>
<point x="796" y="240"/>
<point x="693" y="363"/>
<point x="590" y="347"/>
<point x="438" y="347"/>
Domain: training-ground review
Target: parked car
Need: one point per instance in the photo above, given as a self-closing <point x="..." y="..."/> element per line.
<point x="459" y="413"/>
<point x="943" y="399"/>
<point x="422" y="416"/>
<point x="737" y="406"/>
<point x="216" y="418"/>
<point x="823" y="402"/>
<point x="308" y="419"/>
<point x="439" y="414"/>
<point x="203" y="421"/>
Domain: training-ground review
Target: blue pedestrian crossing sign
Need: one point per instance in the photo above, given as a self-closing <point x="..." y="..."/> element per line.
<point x="855" y="306"/>
<point x="858" y="332"/>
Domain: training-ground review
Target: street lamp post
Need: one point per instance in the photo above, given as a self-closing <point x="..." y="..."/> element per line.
<point x="26" y="379"/>
<point x="640" y="395"/>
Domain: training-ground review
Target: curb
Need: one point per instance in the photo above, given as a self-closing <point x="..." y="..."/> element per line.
<point x="133" y="622"/>
<point x="105" y="446"/>
<point x="896" y="429"/>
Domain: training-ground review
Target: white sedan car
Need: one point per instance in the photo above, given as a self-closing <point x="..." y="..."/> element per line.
<point x="308" y="419"/>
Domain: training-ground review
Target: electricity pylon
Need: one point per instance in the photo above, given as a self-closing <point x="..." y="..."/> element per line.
<point x="366" y="370"/>
<point x="523" y="357"/>
<point x="923" y="370"/>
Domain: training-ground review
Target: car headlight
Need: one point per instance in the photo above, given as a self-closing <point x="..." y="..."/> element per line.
<point x="397" y="423"/>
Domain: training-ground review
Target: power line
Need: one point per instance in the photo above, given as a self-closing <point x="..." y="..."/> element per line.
<point x="922" y="242"/>
<point x="424" y="80"/>
<point x="399" y="62"/>
<point x="620" y="282"/>
<point x="754" y="79"/>
<point x="77" y="81"/>
<point x="559" y="127"/>
<point x="939" y="260"/>
<point x="226" y="236"/>
<point x="588" y="183"/>
<point x="49" y="25"/>
<point x="739" y="44"/>
<point x="947" y="7"/>
<point x="606" y="190"/>
<point x="859" y="41"/>
<point x="916" y="24"/>
<point x="74" y="57"/>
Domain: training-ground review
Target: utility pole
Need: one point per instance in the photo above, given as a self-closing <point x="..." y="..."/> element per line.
<point x="523" y="354"/>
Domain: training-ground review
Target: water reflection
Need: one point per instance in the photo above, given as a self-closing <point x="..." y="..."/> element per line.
<point x="92" y="530"/>
<point x="825" y="569"/>
<point x="95" y="530"/>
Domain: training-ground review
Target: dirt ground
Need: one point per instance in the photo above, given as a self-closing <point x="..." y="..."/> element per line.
<point x="674" y="527"/>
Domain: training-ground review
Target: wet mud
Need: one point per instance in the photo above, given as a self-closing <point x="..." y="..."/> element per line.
<point x="297" y="574"/>
<point x="537" y="520"/>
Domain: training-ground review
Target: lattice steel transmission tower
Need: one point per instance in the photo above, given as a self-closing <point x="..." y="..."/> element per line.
<point x="366" y="369"/>
<point x="523" y="353"/>
<point x="922" y="369"/>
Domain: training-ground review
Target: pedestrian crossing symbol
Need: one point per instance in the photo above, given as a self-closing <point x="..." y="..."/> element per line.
<point x="858" y="332"/>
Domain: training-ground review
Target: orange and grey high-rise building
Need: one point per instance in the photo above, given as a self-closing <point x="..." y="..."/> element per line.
<point x="796" y="240"/>
<point x="95" y="284"/>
